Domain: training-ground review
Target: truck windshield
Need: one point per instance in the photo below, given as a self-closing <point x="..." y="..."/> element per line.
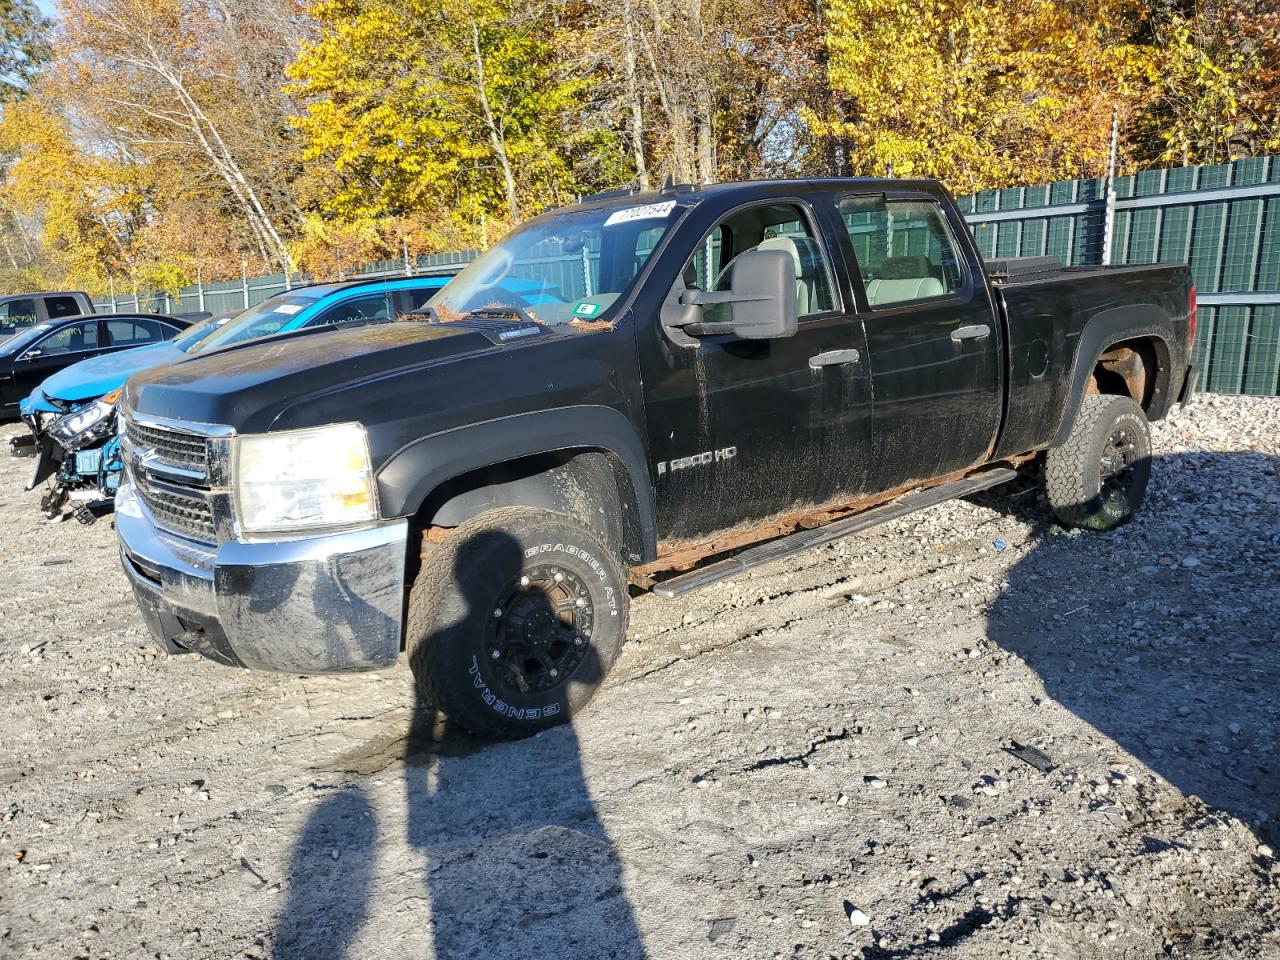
<point x="260" y="321"/>
<point x="561" y="267"/>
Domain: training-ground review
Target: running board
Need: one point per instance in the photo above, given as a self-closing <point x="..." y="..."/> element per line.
<point x="816" y="537"/>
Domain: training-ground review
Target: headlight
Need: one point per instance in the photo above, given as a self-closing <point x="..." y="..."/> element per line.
<point x="84" y="426"/>
<point x="300" y="479"/>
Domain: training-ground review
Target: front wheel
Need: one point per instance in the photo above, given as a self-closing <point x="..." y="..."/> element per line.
<point x="1097" y="478"/>
<point x="515" y="620"/>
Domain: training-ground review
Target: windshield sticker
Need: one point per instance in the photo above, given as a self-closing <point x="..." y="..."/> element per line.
<point x="586" y="310"/>
<point x="288" y="308"/>
<point x="650" y="211"/>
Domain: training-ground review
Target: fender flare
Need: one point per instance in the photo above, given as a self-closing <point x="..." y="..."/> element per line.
<point x="415" y="470"/>
<point x="1104" y="330"/>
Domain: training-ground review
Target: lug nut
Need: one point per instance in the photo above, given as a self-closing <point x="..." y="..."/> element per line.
<point x="559" y="577"/>
<point x="498" y="613"/>
<point x="580" y="602"/>
<point x="524" y="581"/>
<point x="494" y="654"/>
<point x="577" y="641"/>
<point x="555" y="672"/>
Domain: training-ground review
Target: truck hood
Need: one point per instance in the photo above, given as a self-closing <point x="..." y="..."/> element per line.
<point x="91" y="379"/>
<point x="248" y="386"/>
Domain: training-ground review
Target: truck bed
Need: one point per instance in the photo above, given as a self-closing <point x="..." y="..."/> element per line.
<point x="1045" y="306"/>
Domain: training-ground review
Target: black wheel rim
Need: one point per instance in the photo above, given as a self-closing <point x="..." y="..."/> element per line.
<point x="1116" y="469"/>
<point x="539" y="630"/>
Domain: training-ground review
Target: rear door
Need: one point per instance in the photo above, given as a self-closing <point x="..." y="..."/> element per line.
<point x="127" y="332"/>
<point x="932" y="337"/>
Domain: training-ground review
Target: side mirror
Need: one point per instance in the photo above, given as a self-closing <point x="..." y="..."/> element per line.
<point x="32" y="354"/>
<point x="761" y="298"/>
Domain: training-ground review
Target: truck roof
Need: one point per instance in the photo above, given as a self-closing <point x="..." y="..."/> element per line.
<point x="733" y="188"/>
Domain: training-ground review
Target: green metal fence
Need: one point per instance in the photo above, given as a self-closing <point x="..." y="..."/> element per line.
<point x="1222" y="220"/>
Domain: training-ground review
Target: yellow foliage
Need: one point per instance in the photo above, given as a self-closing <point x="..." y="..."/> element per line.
<point x="980" y="94"/>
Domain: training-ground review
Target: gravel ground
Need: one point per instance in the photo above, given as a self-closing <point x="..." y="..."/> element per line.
<point x="809" y="761"/>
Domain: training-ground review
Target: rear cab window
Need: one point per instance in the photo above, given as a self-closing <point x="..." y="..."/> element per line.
<point x="903" y="247"/>
<point x="58" y="307"/>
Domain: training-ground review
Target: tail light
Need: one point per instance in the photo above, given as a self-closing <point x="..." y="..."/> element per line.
<point x="1191" y="325"/>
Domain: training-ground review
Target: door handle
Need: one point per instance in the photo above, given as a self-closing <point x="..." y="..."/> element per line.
<point x="834" y="358"/>
<point x="974" y="332"/>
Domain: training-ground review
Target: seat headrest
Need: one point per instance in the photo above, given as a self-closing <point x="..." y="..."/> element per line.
<point x="907" y="268"/>
<point x="787" y="245"/>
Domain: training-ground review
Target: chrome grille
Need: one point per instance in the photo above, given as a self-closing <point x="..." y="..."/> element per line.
<point x="182" y="511"/>
<point x="170" y="470"/>
<point x="181" y="449"/>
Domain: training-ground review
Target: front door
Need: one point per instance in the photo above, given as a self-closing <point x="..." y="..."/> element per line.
<point x="56" y="351"/>
<point x="934" y="344"/>
<point x="744" y="429"/>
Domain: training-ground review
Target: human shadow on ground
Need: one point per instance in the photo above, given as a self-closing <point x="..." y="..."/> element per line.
<point x="518" y="864"/>
<point x="1164" y="634"/>
<point x="330" y="879"/>
<point x="516" y="861"/>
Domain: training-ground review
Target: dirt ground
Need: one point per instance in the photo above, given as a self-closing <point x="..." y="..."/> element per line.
<point x="809" y="761"/>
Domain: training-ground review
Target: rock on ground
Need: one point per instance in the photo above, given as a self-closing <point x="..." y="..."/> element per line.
<point x="823" y="742"/>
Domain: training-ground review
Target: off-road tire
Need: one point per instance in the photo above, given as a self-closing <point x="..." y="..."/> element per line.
<point x="453" y="626"/>
<point x="1073" y="473"/>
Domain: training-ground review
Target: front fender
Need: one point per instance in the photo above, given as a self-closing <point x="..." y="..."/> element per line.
<point x="415" y="470"/>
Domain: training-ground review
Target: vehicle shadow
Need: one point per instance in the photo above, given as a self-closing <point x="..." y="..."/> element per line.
<point x="1164" y="634"/>
<point x="516" y="862"/>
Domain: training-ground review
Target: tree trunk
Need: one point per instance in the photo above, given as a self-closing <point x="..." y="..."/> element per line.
<point x="633" y="94"/>
<point x="496" y="137"/>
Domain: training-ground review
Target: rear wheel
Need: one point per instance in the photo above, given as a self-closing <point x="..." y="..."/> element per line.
<point x="515" y="620"/>
<point x="1097" y="478"/>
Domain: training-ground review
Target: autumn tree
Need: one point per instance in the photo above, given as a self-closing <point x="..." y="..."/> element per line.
<point x="437" y="109"/>
<point x="1208" y="90"/>
<point x="24" y="46"/>
<point x="975" y="92"/>
<point x="196" y="82"/>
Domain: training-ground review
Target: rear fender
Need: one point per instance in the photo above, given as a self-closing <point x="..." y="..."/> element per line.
<point x="1141" y="322"/>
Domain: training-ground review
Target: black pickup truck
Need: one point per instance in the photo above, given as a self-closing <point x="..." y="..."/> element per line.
<point x="644" y="390"/>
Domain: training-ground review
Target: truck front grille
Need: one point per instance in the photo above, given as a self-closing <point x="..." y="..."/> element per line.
<point x="182" y="511"/>
<point x="181" y="449"/>
<point x="177" y="501"/>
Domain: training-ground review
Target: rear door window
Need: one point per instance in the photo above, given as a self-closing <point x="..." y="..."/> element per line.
<point x="903" y="247"/>
<point x="132" y="333"/>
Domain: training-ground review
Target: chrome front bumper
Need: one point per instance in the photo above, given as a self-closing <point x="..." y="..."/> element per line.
<point x="318" y="605"/>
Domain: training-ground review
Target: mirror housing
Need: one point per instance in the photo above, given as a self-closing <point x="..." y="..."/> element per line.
<point x="761" y="298"/>
<point x="32" y="354"/>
